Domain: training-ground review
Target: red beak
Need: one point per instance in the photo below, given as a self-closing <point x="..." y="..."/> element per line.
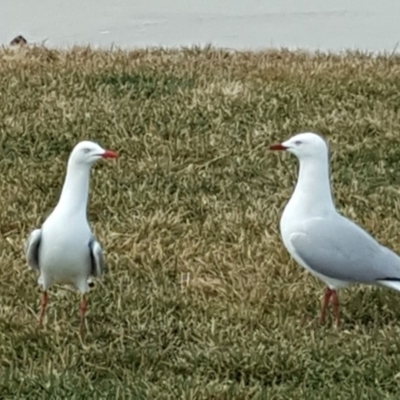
<point x="109" y="154"/>
<point x="278" y="146"/>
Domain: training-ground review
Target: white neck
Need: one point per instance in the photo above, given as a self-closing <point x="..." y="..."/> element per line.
<point x="313" y="195"/>
<point x="75" y="192"/>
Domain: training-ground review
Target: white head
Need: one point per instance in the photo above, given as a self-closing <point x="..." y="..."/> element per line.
<point x="304" y="145"/>
<point x="86" y="153"/>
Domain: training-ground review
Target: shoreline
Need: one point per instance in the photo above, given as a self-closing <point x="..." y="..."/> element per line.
<point x="31" y="46"/>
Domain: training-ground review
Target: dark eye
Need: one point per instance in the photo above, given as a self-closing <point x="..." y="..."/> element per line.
<point x="297" y="142"/>
<point x="86" y="150"/>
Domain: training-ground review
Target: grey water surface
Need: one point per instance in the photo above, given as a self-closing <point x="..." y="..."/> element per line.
<point x="367" y="25"/>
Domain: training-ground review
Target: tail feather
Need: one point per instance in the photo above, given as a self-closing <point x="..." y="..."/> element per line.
<point x="390" y="284"/>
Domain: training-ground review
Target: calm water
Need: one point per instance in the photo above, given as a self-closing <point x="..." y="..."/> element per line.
<point x="247" y="24"/>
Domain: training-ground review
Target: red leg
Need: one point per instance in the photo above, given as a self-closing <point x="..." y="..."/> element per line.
<point x="83" y="309"/>
<point x="325" y="302"/>
<point x="43" y="306"/>
<point x="335" y="303"/>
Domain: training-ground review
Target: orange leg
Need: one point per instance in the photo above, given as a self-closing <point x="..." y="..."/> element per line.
<point x="335" y="303"/>
<point x="83" y="309"/>
<point x="43" y="306"/>
<point x="330" y="296"/>
<point x="325" y="302"/>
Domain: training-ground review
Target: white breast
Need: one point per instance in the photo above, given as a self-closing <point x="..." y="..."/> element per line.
<point x="64" y="254"/>
<point x="291" y="222"/>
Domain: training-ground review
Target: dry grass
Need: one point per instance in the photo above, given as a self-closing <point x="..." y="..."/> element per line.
<point x="201" y="300"/>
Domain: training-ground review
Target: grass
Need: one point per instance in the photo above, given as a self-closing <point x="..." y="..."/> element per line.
<point x="196" y="192"/>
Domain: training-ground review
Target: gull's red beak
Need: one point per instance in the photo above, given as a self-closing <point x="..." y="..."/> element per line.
<point x="109" y="154"/>
<point x="278" y="146"/>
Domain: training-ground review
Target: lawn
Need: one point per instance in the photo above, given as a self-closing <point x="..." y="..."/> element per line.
<point x="201" y="300"/>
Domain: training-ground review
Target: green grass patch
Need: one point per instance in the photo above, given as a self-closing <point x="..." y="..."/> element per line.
<point x="196" y="191"/>
<point x="145" y="85"/>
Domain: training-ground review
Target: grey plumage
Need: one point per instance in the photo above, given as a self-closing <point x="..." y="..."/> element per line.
<point x="338" y="248"/>
<point x="98" y="262"/>
<point x="32" y="246"/>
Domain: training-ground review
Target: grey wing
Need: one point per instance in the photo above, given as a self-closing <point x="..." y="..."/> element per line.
<point x="340" y="249"/>
<point x="32" y="249"/>
<point x="98" y="262"/>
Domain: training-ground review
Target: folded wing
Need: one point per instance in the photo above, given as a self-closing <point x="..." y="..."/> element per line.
<point x="32" y="249"/>
<point x="340" y="249"/>
<point x="98" y="262"/>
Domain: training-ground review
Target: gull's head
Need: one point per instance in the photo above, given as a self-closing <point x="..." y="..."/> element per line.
<point x="304" y="145"/>
<point x="86" y="153"/>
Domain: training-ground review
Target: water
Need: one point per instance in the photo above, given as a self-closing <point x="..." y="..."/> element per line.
<point x="247" y="24"/>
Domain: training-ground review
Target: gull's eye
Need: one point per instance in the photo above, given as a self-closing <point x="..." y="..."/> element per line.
<point x="86" y="150"/>
<point x="297" y="142"/>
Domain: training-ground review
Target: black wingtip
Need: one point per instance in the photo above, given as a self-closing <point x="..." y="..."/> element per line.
<point x="390" y="279"/>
